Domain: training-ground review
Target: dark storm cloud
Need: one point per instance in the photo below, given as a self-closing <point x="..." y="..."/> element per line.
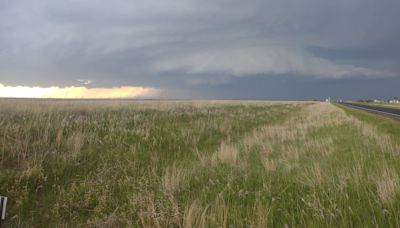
<point x="189" y="47"/>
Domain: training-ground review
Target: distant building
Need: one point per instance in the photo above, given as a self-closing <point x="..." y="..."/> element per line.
<point x="394" y="101"/>
<point x="328" y="100"/>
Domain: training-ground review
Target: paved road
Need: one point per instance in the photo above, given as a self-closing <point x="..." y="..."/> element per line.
<point x="392" y="112"/>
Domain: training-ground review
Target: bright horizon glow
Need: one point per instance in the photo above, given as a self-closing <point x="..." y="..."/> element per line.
<point x="73" y="92"/>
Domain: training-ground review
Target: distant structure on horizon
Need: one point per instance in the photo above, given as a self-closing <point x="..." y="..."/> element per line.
<point x="328" y="100"/>
<point x="395" y="100"/>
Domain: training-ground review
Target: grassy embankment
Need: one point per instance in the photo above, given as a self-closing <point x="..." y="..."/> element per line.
<point x="197" y="164"/>
<point x="386" y="105"/>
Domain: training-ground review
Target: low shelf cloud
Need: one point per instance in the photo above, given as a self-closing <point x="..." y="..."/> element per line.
<point x="264" y="60"/>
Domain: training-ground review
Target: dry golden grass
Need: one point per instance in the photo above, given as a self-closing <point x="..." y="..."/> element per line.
<point x="388" y="186"/>
<point x="269" y="164"/>
<point x="228" y="154"/>
<point x="194" y="216"/>
<point x="214" y="215"/>
<point x="313" y="176"/>
<point x="174" y="178"/>
<point x="75" y="142"/>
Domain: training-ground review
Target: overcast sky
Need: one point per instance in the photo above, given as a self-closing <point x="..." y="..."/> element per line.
<point x="231" y="49"/>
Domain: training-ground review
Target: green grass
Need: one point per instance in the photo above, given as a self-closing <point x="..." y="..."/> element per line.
<point x="384" y="124"/>
<point x="197" y="164"/>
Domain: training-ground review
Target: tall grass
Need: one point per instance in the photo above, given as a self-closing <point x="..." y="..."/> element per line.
<point x="196" y="164"/>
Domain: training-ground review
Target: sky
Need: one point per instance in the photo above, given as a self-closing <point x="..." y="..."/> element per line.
<point x="200" y="49"/>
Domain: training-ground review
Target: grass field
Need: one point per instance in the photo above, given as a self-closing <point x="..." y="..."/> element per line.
<point x="197" y="164"/>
